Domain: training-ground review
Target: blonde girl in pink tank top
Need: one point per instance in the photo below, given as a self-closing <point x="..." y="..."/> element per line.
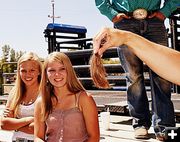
<point x="65" y="112"/>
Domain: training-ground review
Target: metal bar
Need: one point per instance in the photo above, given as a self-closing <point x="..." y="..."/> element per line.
<point x="75" y="40"/>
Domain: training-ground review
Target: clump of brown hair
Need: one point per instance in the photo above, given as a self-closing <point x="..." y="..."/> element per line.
<point x="98" y="72"/>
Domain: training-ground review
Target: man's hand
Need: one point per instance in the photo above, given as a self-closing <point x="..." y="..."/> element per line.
<point x="158" y="15"/>
<point x="119" y="17"/>
<point x="108" y="37"/>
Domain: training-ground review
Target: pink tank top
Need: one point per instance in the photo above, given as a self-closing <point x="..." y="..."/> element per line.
<point x="66" y="126"/>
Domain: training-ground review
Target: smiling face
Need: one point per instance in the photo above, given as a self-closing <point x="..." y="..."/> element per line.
<point x="29" y="72"/>
<point x="56" y="74"/>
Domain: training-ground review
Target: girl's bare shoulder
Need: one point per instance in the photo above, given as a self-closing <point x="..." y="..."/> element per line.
<point x="38" y="101"/>
<point x="85" y="97"/>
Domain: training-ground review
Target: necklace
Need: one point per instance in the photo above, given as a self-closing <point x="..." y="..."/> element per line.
<point x="27" y="103"/>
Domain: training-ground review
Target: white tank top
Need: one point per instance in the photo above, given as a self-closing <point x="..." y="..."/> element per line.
<point x="24" y="111"/>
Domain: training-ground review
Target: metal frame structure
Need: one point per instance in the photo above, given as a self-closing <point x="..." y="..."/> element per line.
<point x="175" y="36"/>
<point x="58" y="34"/>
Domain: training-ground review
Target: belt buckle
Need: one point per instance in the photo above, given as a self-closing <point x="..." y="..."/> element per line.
<point x="18" y="139"/>
<point x="140" y="14"/>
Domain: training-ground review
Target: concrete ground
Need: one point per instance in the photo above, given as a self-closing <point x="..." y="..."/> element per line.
<point x="120" y="125"/>
<point x="120" y="130"/>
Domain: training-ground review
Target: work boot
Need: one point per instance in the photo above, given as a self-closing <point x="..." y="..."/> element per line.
<point x="141" y="133"/>
<point x="160" y="137"/>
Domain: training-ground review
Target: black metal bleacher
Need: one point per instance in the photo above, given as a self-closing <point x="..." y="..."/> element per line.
<point x="64" y="36"/>
<point x="83" y="73"/>
<point x="58" y="34"/>
<point x="80" y="60"/>
<point x="117" y="81"/>
<point x="80" y="57"/>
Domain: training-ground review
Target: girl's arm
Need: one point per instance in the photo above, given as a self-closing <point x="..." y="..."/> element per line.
<point x="8" y="123"/>
<point x="39" y="125"/>
<point x="162" y="60"/>
<point x="7" y="111"/>
<point x="29" y="129"/>
<point x="90" y="113"/>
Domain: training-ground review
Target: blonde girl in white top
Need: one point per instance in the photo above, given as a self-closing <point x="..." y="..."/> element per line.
<point x="19" y="112"/>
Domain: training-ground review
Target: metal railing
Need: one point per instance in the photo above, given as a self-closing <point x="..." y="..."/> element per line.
<point x="6" y="78"/>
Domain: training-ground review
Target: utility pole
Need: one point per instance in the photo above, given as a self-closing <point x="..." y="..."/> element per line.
<point x="53" y="14"/>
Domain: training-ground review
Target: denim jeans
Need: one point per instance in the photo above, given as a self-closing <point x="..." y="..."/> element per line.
<point x="162" y="106"/>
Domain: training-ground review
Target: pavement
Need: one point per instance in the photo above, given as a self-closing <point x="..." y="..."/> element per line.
<point x="120" y="130"/>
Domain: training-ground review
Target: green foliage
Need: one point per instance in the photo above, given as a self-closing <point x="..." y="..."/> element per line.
<point x="12" y="55"/>
<point x="9" y="55"/>
<point x="110" y="61"/>
<point x="5" y="50"/>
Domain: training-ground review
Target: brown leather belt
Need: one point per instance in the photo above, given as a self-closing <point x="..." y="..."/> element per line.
<point x="138" y="14"/>
<point x="22" y="140"/>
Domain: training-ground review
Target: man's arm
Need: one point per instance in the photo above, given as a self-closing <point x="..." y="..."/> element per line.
<point x="162" y="60"/>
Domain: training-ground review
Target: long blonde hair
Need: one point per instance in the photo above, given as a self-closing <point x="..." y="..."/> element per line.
<point x="18" y="91"/>
<point x="98" y="72"/>
<point x="73" y="84"/>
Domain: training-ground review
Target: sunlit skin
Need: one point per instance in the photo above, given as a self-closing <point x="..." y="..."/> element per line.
<point x="23" y="94"/>
<point x="156" y="56"/>
<point x="61" y="90"/>
<point x="29" y="71"/>
<point x="57" y="74"/>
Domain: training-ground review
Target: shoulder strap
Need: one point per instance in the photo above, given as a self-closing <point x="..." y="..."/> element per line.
<point x="77" y="95"/>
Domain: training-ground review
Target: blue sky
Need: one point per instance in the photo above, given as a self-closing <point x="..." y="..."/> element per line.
<point x="23" y="21"/>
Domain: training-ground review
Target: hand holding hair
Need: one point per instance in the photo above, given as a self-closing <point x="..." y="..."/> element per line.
<point x="106" y="38"/>
<point x="98" y="72"/>
<point x="97" y="69"/>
